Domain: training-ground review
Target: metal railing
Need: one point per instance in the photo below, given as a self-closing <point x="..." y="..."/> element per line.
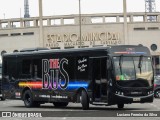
<point x="60" y="20"/>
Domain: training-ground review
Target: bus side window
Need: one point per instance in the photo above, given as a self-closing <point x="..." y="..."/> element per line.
<point x="10" y="69"/>
<point x="5" y="71"/>
<point x="35" y="71"/>
<point x="31" y="68"/>
<point x="5" y="68"/>
<point x="37" y="68"/>
<point x="26" y="68"/>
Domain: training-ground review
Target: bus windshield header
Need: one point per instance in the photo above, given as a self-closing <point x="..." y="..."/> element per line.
<point x="130" y="50"/>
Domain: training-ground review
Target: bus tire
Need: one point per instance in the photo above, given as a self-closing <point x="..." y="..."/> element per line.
<point x="3" y="98"/>
<point x="60" y="104"/>
<point x="157" y="94"/>
<point x="28" y="99"/>
<point x="84" y="100"/>
<point x="36" y="104"/>
<point x="120" y="106"/>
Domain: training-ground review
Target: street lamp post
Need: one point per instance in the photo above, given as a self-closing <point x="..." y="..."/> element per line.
<point x="125" y="22"/>
<point x="41" y="24"/>
<point x="80" y="24"/>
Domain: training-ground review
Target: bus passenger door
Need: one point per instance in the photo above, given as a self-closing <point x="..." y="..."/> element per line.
<point x="99" y="79"/>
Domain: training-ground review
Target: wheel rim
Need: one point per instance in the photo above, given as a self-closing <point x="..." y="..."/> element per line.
<point x="158" y="93"/>
<point x="27" y="99"/>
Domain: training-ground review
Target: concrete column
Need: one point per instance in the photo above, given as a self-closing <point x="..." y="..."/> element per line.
<point x="158" y="19"/>
<point x="0" y="25"/>
<point x="21" y="23"/>
<point x="62" y="21"/>
<point x="49" y="22"/>
<point x="145" y="18"/>
<point x="104" y="19"/>
<point x="131" y="18"/>
<point x="126" y="41"/>
<point x="41" y="41"/>
<point x="35" y="23"/>
<point x="76" y="20"/>
<point x="117" y="19"/>
<point x="9" y="24"/>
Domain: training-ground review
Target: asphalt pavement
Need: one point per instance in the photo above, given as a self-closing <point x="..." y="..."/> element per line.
<point x="15" y="109"/>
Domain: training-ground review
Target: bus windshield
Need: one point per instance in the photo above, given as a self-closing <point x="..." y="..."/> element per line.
<point x="137" y="69"/>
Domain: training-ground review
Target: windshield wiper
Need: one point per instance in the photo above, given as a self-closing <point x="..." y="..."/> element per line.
<point x="120" y="63"/>
<point x="140" y="63"/>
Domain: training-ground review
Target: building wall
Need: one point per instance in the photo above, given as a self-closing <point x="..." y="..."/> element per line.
<point x="97" y="34"/>
<point x="145" y="34"/>
<point x="17" y="39"/>
<point x="61" y="32"/>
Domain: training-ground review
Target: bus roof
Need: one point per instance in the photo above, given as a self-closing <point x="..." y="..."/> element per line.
<point x="112" y="50"/>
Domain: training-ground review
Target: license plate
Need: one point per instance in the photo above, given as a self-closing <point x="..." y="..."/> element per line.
<point x="136" y="99"/>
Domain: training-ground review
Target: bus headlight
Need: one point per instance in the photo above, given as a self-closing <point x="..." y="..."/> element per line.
<point x="119" y="93"/>
<point x="150" y="92"/>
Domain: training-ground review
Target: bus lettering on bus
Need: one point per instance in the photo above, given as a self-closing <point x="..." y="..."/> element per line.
<point x="53" y="74"/>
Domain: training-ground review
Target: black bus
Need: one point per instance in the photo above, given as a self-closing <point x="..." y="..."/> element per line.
<point x="1" y="81"/>
<point x="1" y="95"/>
<point x="113" y="75"/>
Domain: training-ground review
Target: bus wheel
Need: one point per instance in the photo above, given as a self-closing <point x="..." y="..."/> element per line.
<point x="157" y="94"/>
<point x="3" y="98"/>
<point x="84" y="100"/>
<point x="36" y="104"/>
<point x="120" y="105"/>
<point x="28" y="99"/>
<point x="60" y="104"/>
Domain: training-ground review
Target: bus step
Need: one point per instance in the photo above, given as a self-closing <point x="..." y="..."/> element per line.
<point x="97" y="99"/>
<point x="104" y="97"/>
<point x="99" y="103"/>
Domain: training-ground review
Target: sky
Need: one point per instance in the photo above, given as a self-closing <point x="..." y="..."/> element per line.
<point x="15" y="8"/>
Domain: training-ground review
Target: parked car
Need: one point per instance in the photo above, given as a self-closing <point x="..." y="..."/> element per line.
<point x="157" y="87"/>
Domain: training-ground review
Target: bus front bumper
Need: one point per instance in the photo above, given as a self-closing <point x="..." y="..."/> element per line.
<point x="129" y="99"/>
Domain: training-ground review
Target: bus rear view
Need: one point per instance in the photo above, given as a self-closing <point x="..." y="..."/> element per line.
<point x="133" y="75"/>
